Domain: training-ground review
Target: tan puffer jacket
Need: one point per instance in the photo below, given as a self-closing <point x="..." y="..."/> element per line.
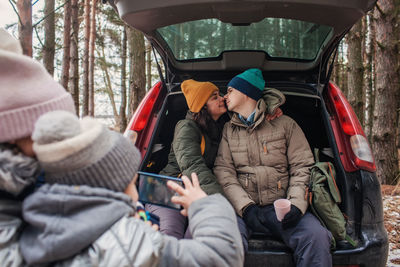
<point x="260" y="163"/>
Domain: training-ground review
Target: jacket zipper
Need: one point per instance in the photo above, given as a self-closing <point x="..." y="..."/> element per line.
<point x="265" y="147"/>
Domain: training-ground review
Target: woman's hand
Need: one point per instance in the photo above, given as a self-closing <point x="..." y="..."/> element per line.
<point x="187" y="195"/>
<point x="278" y="112"/>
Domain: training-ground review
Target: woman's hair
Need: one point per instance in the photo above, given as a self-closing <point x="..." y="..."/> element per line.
<point x="202" y="118"/>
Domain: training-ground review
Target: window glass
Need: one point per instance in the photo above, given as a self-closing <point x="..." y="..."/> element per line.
<point x="279" y="38"/>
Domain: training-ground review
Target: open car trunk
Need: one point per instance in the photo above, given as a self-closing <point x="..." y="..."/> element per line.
<point x="306" y="106"/>
<point x="193" y="36"/>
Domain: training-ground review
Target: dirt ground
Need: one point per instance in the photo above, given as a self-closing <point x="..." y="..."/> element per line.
<point x="391" y="209"/>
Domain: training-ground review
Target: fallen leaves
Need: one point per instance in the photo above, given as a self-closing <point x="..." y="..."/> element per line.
<point x="391" y="213"/>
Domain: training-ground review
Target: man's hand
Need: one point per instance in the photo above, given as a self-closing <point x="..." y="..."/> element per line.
<point x="187" y="195"/>
<point x="291" y="218"/>
<point x="278" y="112"/>
<point x="252" y="220"/>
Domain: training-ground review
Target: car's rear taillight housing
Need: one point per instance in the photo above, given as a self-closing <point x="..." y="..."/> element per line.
<point x="354" y="149"/>
<point x="138" y="128"/>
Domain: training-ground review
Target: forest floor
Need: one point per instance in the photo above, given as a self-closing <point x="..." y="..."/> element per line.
<point x="391" y="210"/>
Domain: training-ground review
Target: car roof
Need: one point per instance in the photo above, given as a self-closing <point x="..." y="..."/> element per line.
<point x="147" y="16"/>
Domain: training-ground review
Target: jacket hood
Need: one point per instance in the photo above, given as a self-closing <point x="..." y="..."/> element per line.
<point x="273" y="98"/>
<point x="17" y="171"/>
<point x="63" y="220"/>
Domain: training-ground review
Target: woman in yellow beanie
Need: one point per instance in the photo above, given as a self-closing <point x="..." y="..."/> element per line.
<point x="194" y="148"/>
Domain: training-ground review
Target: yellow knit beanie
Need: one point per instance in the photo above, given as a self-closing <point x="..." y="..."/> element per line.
<point x="197" y="93"/>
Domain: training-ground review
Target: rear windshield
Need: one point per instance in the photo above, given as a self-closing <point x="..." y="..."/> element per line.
<point x="279" y="38"/>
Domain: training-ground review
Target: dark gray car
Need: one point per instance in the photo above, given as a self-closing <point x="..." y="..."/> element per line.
<point x="293" y="43"/>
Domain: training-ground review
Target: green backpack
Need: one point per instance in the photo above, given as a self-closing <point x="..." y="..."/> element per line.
<point x="324" y="196"/>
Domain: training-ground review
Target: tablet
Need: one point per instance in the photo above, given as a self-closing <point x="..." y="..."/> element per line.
<point x="153" y="189"/>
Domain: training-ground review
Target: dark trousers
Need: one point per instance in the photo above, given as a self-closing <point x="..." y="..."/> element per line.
<point x="309" y="240"/>
<point x="172" y="222"/>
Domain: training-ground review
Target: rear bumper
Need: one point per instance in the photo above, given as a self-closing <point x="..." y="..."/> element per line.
<point x="372" y="253"/>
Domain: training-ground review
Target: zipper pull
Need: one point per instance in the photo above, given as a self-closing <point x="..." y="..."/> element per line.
<point x="279" y="185"/>
<point x="265" y="147"/>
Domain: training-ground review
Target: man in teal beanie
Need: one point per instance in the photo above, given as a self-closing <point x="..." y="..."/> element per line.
<point x="260" y="161"/>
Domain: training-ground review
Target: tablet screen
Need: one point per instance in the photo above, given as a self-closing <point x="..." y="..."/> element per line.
<point x="153" y="189"/>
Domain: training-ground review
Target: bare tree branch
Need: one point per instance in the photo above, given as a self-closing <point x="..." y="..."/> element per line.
<point x="16" y="12"/>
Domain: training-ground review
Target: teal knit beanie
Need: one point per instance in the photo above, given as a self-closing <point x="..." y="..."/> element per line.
<point x="249" y="82"/>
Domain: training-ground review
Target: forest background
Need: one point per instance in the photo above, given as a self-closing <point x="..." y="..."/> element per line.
<point x="108" y="67"/>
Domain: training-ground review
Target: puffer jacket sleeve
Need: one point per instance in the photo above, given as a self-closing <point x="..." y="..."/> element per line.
<point x="10" y="228"/>
<point x="186" y="145"/>
<point x="300" y="160"/>
<point x="225" y="172"/>
<point x="130" y="242"/>
<point x="216" y="238"/>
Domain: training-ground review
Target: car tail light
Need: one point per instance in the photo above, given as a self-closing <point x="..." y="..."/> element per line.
<point x="143" y="112"/>
<point x="355" y="144"/>
<point x="141" y="117"/>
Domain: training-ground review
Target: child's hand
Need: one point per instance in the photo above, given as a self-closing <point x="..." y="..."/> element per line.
<point x="154" y="226"/>
<point x="187" y="195"/>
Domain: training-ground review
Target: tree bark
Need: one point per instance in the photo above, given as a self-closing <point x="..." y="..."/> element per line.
<point x="387" y="82"/>
<point x="370" y="75"/>
<point x="137" y="82"/>
<point x="25" y="26"/>
<point x="91" y="56"/>
<point x="49" y="32"/>
<point x="148" y="65"/>
<point x="66" y="45"/>
<point x="355" y="92"/>
<point x="74" y="58"/>
<point x="122" y="108"/>
<point x="344" y="72"/>
<point x="85" y="63"/>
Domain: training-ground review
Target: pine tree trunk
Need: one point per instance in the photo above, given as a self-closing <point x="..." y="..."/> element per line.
<point x="66" y="45"/>
<point x="122" y="108"/>
<point x="148" y="65"/>
<point x="91" y="56"/>
<point x="387" y="82"/>
<point x="108" y="85"/>
<point x="85" y="63"/>
<point x="74" y="57"/>
<point x="355" y="92"/>
<point x="344" y="70"/>
<point x="192" y="41"/>
<point x="137" y="83"/>
<point x="49" y="32"/>
<point x="337" y="69"/>
<point x="370" y="76"/>
<point x="25" y="26"/>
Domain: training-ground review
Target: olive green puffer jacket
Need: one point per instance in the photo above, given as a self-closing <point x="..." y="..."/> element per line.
<point x="185" y="156"/>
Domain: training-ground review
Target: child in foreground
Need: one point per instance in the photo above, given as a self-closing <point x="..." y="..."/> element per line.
<point x="85" y="214"/>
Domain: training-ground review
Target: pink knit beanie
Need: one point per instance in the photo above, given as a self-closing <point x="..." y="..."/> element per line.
<point x="26" y="91"/>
